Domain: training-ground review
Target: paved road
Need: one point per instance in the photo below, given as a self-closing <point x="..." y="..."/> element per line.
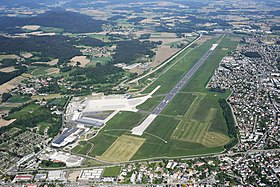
<point x="182" y="82"/>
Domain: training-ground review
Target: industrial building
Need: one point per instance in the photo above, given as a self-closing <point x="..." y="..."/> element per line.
<point x="68" y="159"/>
<point x="90" y="122"/>
<point x="57" y="175"/>
<point x="68" y="136"/>
<point x="40" y="177"/>
<point x="20" y="178"/>
<point x="87" y="175"/>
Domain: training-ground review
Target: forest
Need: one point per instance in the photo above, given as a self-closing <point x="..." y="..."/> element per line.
<point x="5" y="77"/>
<point x="129" y="52"/>
<point x="100" y="74"/>
<point x="69" y="21"/>
<point x="61" y="47"/>
<point x="49" y="46"/>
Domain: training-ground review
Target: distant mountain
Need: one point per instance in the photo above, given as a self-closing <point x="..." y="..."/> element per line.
<point x="29" y="3"/>
<point x="69" y="21"/>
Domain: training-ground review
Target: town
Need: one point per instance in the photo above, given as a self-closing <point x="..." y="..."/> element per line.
<point x="139" y="93"/>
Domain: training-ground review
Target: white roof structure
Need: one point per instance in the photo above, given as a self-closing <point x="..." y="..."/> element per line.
<point x="116" y="102"/>
<point x="56" y="175"/>
<point x="68" y="159"/>
<point x="94" y="174"/>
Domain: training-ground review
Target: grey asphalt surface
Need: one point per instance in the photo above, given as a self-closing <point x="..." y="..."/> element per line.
<point x="182" y="82"/>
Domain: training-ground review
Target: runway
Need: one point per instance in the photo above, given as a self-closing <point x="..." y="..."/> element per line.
<point x="183" y="81"/>
<point x="139" y="130"/>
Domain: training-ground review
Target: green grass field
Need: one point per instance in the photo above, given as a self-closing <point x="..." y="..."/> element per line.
<point x="24" y="111"/>
<point x="123" y="148"/>
<point x="102" y="60"/>
<point x="180" y="104"/>
<point x="59" y="101"/>
<point x="201" y="123"/>
<point x="183" y="63"/>
<point x="39" y="71"/>
<point x="91" y="162"/>
<point x="121" y="124"/>
<point x="19" y="99"/>
<point x="51" y="29"/>
<point x="151" y="103"/>
<point x="160" y="144"/>
<point x="100" y="37"/>
<point x="192" y="123"/>
<point x="112" y="171"/>
<point x="83" y="148"/>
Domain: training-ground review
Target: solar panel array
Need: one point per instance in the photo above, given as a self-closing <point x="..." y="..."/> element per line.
<point x="64" y="135"/>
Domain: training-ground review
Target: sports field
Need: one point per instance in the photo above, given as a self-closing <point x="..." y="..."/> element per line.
<point x="122" y="149"/>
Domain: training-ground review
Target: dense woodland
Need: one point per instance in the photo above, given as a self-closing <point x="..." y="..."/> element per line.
<point x="136" y="20"/>
<point x="68" y="21"/>
<point x="50" y="164"/>
<point x="252" y="54"/>
<point x="130" y="51"/>
<point x="49" y="46"/>
<point x="8" y="62"/>
<point x="100" y="74"/>
<point x="88" y="41"/>
<point x="5" y="77"/>
<point x="232" y="131"/>
<point x="61" y="47"/>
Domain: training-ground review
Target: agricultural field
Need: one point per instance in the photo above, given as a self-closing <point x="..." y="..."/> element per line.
<point x="101" y="60"/>
<point x="60" y="102"/>
<point x="122" y="149"/>
<point x="121" y="124"/>
<point x="39" y="71"/>
<point x="19" y="99"/>
<point x="51" y="29"/>
<point x="8" y="86"/>
<point x="8" y="56"/>
<point x="102" y="37"/>
<point x="8" y="69"/>
<point x="23" y="112"/>
<point x="13" y="102"/>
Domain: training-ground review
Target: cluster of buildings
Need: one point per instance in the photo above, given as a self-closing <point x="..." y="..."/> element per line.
<point x="44" y="85"/>
<point x="99" y="52"/>
<point x="18" y="150"/>
<point x="144" y="66"/>
<point x="252" y="75"/>
<point x="256" y="168"/>
<point x="55" y="175"/>
<point x="60" y="177"/>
